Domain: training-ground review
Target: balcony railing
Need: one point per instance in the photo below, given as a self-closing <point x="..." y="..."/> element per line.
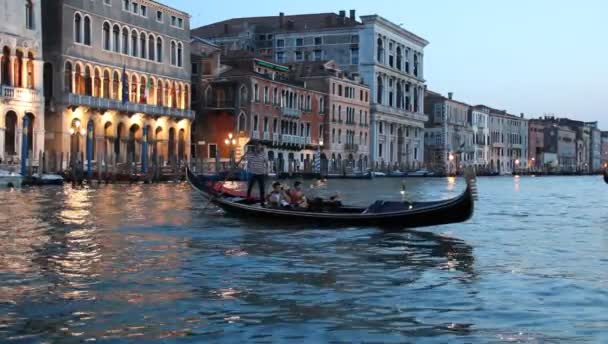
<point x="21" y="94"/>
<point x="113" y="104"/>
<point x="399" y="112"/>
<point x="351" y="147"/>
<point x="291" y="112"/>
<point x="256" y="135"/>
<point x="275" y="137"/>
<point x="266" y="136"/>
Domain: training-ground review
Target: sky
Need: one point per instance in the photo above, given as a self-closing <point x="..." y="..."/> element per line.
<point x="534" y="57"/>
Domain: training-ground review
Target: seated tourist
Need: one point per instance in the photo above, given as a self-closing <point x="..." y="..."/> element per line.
<point x="297" y="196"/>
<point x="277" y="198"/>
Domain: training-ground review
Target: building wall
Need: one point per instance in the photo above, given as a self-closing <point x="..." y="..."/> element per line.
<point x="397" y="91"/>
<point x="21" y="79"/>
<point x="86" y="63"/>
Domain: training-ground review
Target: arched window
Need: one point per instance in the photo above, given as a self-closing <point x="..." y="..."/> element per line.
<point x="106" y="84"/>
<point x="399" y="58"/>
<point x="97" y="83"/>
<point x="133" y="89"/>
<point x="30" y="70"/>
<point x="151" y="47"/>
<point x="143" y="95"/>
<point x="159" y="50"/>
<point x="116" y="86"/>
<point x="174" y="95"/>
<point x="5" y="66"/>
<point x="29" y="15"/>
<point x="116" y="38"/>
<point x="380" y="51"/>
<point x="88" y="85"/>
<point x="173" y="54"/>
<point x="186" y="97"/>
<point x="79" y="87"/>
<point x="134" y="43"/>
<point x="77" y="28"/>
<point x="106" y="36"/>
<point x="180" y="55"/>
<point x="159" y="93"/>
<point x="142" y="45"/>
<point x="87" y="30"/>
<point x="67" y="81"/>
<point x="125" y="41"/>
<point x="380" y="90"/>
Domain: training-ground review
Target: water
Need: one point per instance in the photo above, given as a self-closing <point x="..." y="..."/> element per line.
<point x="156" y="263"/>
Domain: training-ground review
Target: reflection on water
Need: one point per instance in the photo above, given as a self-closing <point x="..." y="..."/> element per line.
<point x="157" y="263"/>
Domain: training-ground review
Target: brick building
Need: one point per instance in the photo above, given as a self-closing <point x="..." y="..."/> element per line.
<point x="346" y="136"/>
<point x="251" y="99"/>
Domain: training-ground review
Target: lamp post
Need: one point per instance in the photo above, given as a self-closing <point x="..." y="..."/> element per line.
<point x="231" y="143"/>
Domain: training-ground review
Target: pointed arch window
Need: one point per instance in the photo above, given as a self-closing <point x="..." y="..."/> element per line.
<point x="180" y="54"/>
<point x="29" y="15"/>
<point x="125" y="41"/>
<point x="151" y="48"/>
<point x="142" y="45"/>
<point x="106" y="36"/>
<point x="67" y="81"/>
<point x="159" y="50"/>
<point x="116" y="39"/>
<point x="134" y="39"/>
<point x="87" y="30"/>
<point x="173" y="54"/>
<point x="77" y="28"/>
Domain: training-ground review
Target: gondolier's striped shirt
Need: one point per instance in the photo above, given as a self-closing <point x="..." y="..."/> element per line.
<point x="256" y="163"/>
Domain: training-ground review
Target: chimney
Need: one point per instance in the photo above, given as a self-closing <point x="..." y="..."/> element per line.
<point x="522" y="115"/>
<point x="342" y="14"/>
<point x="226" y="28"/>
<point x="281" y="20"/>
<point x="450" y="95"/>
<point x="353" y="15"/>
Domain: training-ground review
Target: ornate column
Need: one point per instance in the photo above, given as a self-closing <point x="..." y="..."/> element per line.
<point x="24" y="62"/>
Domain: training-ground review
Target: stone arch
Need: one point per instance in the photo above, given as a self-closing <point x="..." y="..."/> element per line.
<point x="241" y="123"/>
<point x="160" y="93"/>
<point x="5" y="66"/>
<point x="181" y="144"/>
<point x="105" y="87"/>
<point x="11" y="121"/>
<point x="120" y="132"/>
<point x="97" y="86"/>
<point x="134" y="143"/>
<point x="171" y="143"/>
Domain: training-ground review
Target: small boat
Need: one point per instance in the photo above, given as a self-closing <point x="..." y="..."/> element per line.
<point x="367" y="175"/>
<point x="383" y="214"/>
<point x="10" y="179"/>
<point x="47" y="179"/>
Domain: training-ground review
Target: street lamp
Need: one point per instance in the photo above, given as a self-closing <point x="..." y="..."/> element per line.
<point x="231" y="143"/>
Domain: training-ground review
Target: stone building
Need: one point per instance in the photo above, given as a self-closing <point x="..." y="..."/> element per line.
<point x="249" y="99"/>
<point x="388" y="58"/>
<point x="118" y="74"/>
<point x="449" y="136"/>
<point x="346" y="135"/>
<point x="479" y="118"/>
<point x="605" y="149"/>
<point x="21" y="79"/>
<point x="509" y="141"/>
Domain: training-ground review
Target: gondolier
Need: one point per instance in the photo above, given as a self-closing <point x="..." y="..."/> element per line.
<point x="257" y="166"/>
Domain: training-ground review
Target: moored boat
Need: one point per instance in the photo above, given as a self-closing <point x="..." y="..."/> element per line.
<point x="384" y="214"/>
<point x="10" y="179"/>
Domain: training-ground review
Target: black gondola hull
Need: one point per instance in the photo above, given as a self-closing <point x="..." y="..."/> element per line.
<point x="421" y="214"/>
<point x="606" y="176"/>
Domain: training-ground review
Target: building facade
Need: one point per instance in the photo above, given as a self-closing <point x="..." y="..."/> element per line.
<point x="449" y="137"/>
<point x="117" y="74"/>
<point x="21" y="80"/>
<point x="346" y="135"/>
<point x="479" y="119"/>
<point x="605" y="149"/>
<point x="509" y="142"/>
<point x="244" y="100"/>
<point x="388" y="58"/>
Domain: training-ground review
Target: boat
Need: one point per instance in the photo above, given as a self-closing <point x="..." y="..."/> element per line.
<point x="383" y="214"/>
<point x="10" y="179"/>
<point x="421" y="173"/>
<point x="47" y="179"/>
<point x="606" y="175"/>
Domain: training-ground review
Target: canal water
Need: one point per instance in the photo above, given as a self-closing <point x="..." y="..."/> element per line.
<point x="157" y="263"/>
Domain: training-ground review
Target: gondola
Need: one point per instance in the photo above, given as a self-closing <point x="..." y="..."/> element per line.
<point x="379" y="214"/>
<point x="606" y="175"/>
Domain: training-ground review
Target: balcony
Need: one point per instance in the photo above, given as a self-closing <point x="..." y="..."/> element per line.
<point x="20" y="94"/>
<point x="255" y="135"/>
<point x="291" y="112"/>
<point x="221" y="105"/>
<point x="266" y="136"/>
<point x="399" y="112"/>
<point x="351" y="147"/>
<point x="113" y="104"/>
